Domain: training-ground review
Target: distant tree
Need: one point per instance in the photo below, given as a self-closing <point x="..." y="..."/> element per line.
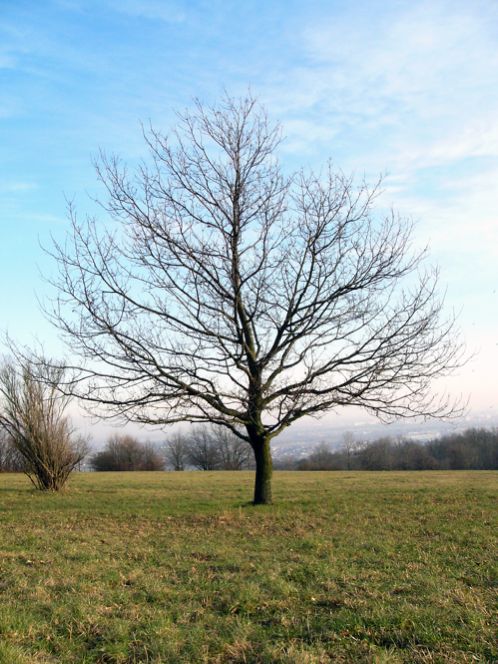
<point x="203" y="451"/>
<point x="471" y="449"/>
<point x="231" y="293"/>
<point x="234" y="453"/>
<point x="32" y="415"/>
<point x="485" y="442"/>
<point x="10" y="459"/>
<point x="126" y="453"/>
<point x="349" y="448"/>
<point x="152" y="459"/>
<point x="378" y="455"/>
<point x="176" y="451"/>
<point x="216" y="448"/>
<point x="287" y="461"/>
<point x="321" y="458"/>
<point x="411" y="455"/>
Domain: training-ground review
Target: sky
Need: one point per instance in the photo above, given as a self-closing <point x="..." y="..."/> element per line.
<point x="406" y="89"/>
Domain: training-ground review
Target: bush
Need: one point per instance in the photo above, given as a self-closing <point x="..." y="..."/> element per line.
<point x="32" y="417"/>
<point x="125" y="453"/>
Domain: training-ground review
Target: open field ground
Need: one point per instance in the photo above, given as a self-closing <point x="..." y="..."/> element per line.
<point x="176" y="567"/>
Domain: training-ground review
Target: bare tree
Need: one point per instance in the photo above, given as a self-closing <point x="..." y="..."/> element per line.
<point x="378" y="454"/>
<point x="203" y="450"/>
<point x="235" y="453"/>
<point x="152" y="458"/>
<point x="5" y="448"/>
<point x="32" y="415"/>
<point x="221" y="290"/>
<point x="208" y="448"/>
<point x="349" y="447"/>
<point x="176" y="451"/>
<point x="322" y="458"/>
<point x="10" y="459"/>
<point x="126" y="453"/>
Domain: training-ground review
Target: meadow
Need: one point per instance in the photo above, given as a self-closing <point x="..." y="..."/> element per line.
<point x="179" y="568"/>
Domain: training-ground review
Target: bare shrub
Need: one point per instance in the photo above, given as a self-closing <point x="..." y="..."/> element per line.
<point x="126" y="453"/>
<point x="32" y="416"/>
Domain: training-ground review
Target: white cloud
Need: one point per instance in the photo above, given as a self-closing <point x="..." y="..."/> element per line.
<point x="402" y="57"/>
<point x="408" y="90"/>
<point x="301" y="133"/>
<point x="462" y="219"/>
<point x="426" y="77"/>
<point x="413" y="89"/>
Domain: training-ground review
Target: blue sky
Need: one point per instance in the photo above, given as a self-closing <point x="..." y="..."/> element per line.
<point x="407" y="89"/>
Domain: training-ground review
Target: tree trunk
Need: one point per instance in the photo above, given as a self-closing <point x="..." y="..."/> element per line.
<point x="262" y="485"/>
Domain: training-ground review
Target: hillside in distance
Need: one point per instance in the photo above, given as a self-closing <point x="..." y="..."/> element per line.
<point x="302" y="437"/>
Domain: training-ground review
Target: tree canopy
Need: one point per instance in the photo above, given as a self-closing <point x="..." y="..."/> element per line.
<point x="220" y="289"/>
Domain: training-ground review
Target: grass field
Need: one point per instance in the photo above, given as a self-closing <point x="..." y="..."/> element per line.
<point x="176" y="567"/>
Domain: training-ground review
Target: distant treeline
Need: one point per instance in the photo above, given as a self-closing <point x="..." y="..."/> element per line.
<point x="207" y="448"/>
<point x="202" y="448"/>
<point x="10" y="459"/>
<point x="473" y="449"/>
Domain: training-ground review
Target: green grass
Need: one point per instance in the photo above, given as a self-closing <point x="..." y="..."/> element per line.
<point x="176" y="567"/>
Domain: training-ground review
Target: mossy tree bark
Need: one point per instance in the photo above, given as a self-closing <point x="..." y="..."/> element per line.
<point x="264" y="469"/>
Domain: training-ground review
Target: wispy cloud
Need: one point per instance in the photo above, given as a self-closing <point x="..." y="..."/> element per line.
<point x="158" y="10"/>
<point x="392" y="86"/>
<point x="302" y="133"/>
<point x="412" y="90"/>
<point x="7" y="61"/>
<point x="16" y="187"/>
<point x="150" y="9"/>
<point x="425" y="76"/>
<point x="462" y="219"/>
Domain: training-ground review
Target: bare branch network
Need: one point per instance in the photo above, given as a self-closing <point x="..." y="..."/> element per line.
<point x="34" y="423"/>
<point x="222" y="290"/>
